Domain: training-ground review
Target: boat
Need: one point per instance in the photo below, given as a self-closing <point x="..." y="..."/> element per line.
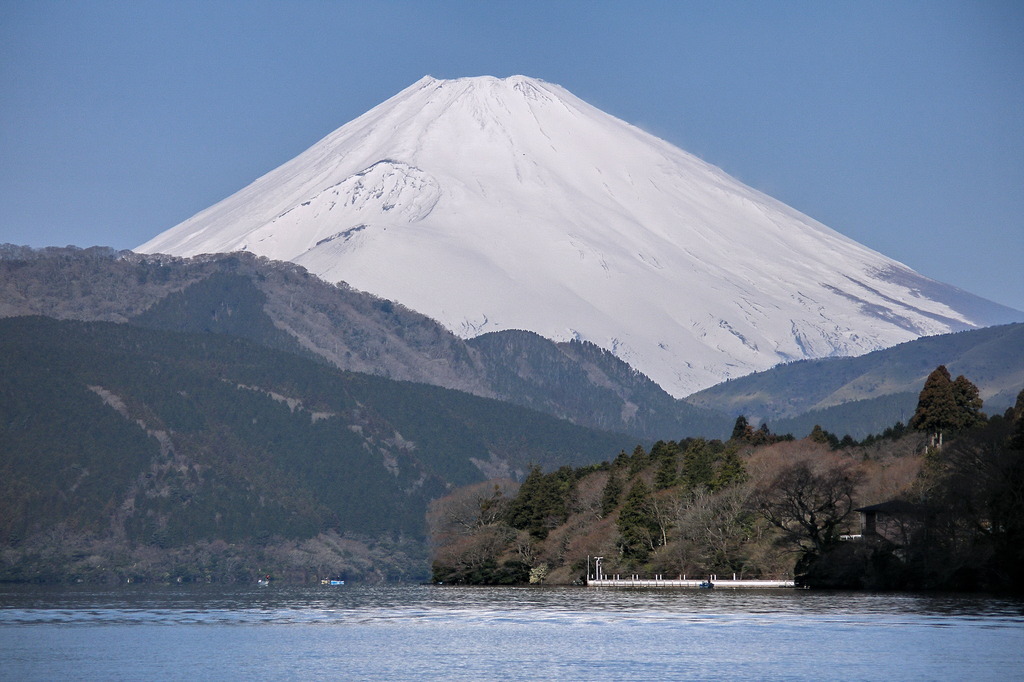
<point x="707" y="585"/>
<point x="331" y="581"/>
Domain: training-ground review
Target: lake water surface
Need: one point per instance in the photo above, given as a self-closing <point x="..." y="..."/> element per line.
<point x="427" y="632"/>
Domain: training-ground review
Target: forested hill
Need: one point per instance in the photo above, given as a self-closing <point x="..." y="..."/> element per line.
<point x="282" y="306"/>
<point x="935" y="504"/>
<point x="865" y="394"/>
<point x="127" y="451"/>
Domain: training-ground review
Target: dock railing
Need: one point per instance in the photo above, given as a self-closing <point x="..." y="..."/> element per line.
<point x="685" y="582"/>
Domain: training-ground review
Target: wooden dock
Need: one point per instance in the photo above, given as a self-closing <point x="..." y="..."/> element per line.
<point x="684" y="583"/>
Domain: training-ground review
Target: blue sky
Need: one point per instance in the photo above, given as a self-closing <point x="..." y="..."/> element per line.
<point x="900" y="124"/>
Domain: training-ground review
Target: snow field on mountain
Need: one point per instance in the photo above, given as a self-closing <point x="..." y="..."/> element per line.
<point x="495" y="204"/>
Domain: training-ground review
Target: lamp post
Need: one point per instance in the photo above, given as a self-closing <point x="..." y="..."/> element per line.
<point x="597" y="567"/>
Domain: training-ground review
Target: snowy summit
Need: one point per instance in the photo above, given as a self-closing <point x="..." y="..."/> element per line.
<point x="494" y="204"/>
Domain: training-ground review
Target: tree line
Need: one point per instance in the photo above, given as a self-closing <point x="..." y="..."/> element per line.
<point x="949" y="486"/>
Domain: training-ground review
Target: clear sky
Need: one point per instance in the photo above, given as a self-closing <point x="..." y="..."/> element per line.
<point x="899" y="124"/>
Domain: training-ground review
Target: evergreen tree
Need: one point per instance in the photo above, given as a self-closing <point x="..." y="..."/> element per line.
<point x="820" y="435"/>
<point x="542" y="502"/>
<point x="664" y="454"/>
<point x="638" y="461"/>
<point x="611" y="494"/>
<point x="698" y="464"/>
<point x="521" y="511"/>
<point x="730" y="472"/>
<point x="936" y="405"/>
<point x="968" y="402"/>
<point x="742" y="430"/>
<point x="637" y="524"/>
<point x="762" y="436"/>
<point x="667" y="474"/>
<point x="946" y="406"/>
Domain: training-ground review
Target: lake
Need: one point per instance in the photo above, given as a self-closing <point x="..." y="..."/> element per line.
<point x="357" y="632"/>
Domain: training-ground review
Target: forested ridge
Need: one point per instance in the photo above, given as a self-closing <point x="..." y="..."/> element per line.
<point x="210" y="435"/>
<point x="945" y="495"/>
<point x="130" y="453"/>
<point x="281" y="306"/>
<point x="135" y="454"/>
<point x="866" y="394"/>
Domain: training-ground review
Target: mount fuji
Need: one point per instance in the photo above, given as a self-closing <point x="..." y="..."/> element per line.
<point x="494" y="204"/>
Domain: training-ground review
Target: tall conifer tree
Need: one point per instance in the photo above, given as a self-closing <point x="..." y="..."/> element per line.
<point x="968" y="403"/>
<point x="611" y="494"/>
<point x="637" y="524"/>
<point x="936" y="404"/>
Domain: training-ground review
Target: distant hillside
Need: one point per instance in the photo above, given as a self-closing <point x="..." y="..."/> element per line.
<point x="585" y="384"/>
<point x="159" y="441"/>
<point x="867" y="393"/>
<point x="859" y="418"/>
<point x="281" y="306"/>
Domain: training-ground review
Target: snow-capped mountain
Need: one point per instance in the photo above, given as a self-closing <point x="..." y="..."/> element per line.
<point x="494" y="204"/>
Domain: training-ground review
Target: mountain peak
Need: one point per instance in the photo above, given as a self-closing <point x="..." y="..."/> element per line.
<point x="508" y="203"/>
<point x="508" y="81"/>
<point x="486" y="89"/>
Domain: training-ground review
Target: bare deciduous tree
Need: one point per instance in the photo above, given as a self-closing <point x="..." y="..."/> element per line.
<point x="810" y="501"/>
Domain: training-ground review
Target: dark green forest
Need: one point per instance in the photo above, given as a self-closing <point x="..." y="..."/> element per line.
<point x="126" y="453"/>
<point x="136" y="454"/>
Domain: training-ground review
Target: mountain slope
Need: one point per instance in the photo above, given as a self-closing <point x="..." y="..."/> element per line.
<point x="163" y="439"/>
<point x="586" y="384"/>
<point x="882" y="386"/>
<point x="282" y="306"/>
<point x="495" y="204"/>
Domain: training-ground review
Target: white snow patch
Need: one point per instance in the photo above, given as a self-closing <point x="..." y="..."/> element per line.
<point x="511" y="204"/>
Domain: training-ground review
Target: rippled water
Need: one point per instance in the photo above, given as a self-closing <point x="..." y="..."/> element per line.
<point x="359" y="632"/>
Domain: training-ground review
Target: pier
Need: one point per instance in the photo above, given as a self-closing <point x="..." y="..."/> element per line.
<point x="600" y="579"/>
<point x="682" y="582"/>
